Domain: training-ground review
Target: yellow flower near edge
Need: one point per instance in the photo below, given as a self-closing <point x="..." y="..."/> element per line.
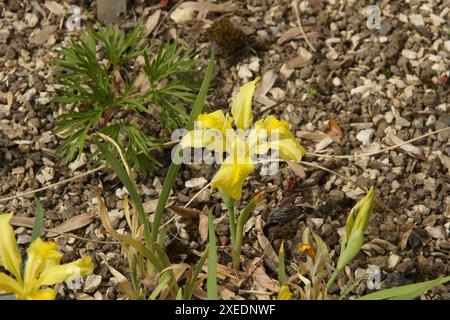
<point x="215" y="132"/>
<point x="41" y="269"/>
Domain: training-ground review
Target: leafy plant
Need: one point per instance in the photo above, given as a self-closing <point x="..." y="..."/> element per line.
<point x="150" y="260"/>
<point x="106" y="92"/>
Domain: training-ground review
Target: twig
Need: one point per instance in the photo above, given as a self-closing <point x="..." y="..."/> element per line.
<point x="27" y="193"/>
<point x="68" y="235"/>
<point x="155" y="31"/>
<point x="333" y="172"/>
<point x="299" y="22"/>
<point x="376" y="152"/>
<point x="197" y="194"/>
<point x="186" y="205"/>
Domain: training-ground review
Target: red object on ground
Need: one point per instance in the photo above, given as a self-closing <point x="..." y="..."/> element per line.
<point x="165" y="3"/>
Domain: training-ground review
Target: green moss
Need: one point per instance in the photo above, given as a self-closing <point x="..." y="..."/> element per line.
<point x="313" y="93"/>
<point x="284" y="231"/>
<point x="227" y="36"/>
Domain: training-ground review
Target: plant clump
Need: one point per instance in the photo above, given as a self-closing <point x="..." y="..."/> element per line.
<point x="229" y="38"/>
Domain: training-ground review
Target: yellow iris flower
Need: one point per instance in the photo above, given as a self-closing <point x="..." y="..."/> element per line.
<point x="42" y="268"/>
<point x="214" y="131"/>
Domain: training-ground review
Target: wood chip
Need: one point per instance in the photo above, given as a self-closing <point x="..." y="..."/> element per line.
<point x="55" y="8"/>
<point x="8" y="96"/>
<point x="297" y="168"/>
<point x="150" y="206"/>
<point x="203" y="227"/>
<point x="43" y="35"/>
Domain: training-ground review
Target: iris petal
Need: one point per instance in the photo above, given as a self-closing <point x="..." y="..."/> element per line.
<point x="9" y="285"/>
<point x="43" y="294"/>
<point x="10" y="257"/>
<point x="231" y="177"/>
<point x="242" y="105"/>
<point x="61" y="273"/>
<point x="41" y="255"/>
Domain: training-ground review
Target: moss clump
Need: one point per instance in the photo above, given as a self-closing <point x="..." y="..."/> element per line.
<point x="227" y="36"/>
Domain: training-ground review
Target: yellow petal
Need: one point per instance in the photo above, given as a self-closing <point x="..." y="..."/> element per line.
<point x="231" y="177"/>
<point x="10" y="257"/>
<point x="69" y="271"/>
<point x="213" y="120"/>
<point x="41" y="255"/>
<point x="9" y="285"/>
<point x="44" y="294"/>
<point x="289" y="149"/>
<point x="242" y="105"/>
<point x="285" y="293"/>
<point x="208" y="138"/>
<point x="271" y="122"/>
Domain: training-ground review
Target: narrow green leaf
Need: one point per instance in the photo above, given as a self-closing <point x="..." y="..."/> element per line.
<point x="38" y="221"/>
<point x="126" y="180"/>
<point x="281" y="266"/>
<point x="353" y="286"/>
<point x="407" y="292"/>
<point x="190" y="283"/>
<point x="174" y="168"/>
<point x="212" y="260"/>
<point x="163" y="282"/>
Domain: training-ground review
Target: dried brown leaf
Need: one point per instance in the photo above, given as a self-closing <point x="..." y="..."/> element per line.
<point x="152" y="21"/>
<point x="74" y="223"/>
<point x="334" y="131"/>
<point x="298" y="62"/>
<point x="270" y="257"/>
<point x="189" y="213"/>
<point x="408" y="147"/>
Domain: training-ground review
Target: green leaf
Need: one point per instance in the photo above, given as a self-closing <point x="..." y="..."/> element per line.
<point x="281" y="266"/>
<point x="174" y="168"/>
<point x="407" y="292"/>
<point x="190" y="283"/>
<point x="38" y="221"/>
<point x="212" y="261"/>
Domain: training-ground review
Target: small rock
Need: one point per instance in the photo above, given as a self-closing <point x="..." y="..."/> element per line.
<point x="416" y="19"/>
<point x="244" y="72"/>
<point x="286" y="72"/>
<point x="195" y="182"/>
<point x="409" y="54"/>
<point x="181" y="15"/>
<point x="393" y="260"/>
<point x="317" y="222"/>
<point x="278" y="93"/>
<point x="365" y="136"/>
<point x="254" y="64"/>
<point x="92" y="282"/>
<point x="436" y="20"/>
<point x="421" y="209"/>
<point x="435" y="232"/>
